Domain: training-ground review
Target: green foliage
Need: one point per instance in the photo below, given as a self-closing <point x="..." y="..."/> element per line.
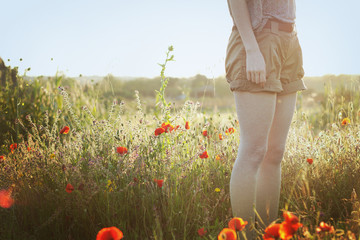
<point x="113" y="189"/>
<point x="18" y="98"/>
<point x="160" y="95"/>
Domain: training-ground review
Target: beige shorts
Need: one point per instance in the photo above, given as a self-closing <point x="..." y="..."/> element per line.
<point x="283" y="58"/>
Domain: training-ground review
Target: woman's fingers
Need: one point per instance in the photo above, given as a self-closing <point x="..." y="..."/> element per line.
<point x="262" y="78"/>
<point x="256" y="76"/>
<point x="251" y="75"/>
<point x="248" y="75"/>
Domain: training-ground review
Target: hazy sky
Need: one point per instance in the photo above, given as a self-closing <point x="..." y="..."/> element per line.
<point x="129" y="37"/>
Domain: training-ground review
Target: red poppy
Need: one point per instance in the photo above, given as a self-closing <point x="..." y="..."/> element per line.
<point x="69" y="188"/>
<point x="6" y="201"/>
<point x="230" y="131"/>
<point x="345" y="121"/>
<point x="121" y="150"/>
<point x="111" y="233"/>
<point x="13" y="147"/>
<point x="309" y="160"/>
<point x="159" y="131"/>
<point x="323" y="227"/>
<point x="2" y="158"/>
<point x="286" y="230"/>
<point x="29" y="149"/>
<point x="238" y="224"/>
<point x="65" y="130"/>
<point x="204" y="155"/>
<point x="289" y="226"/>
<point x="272" y="232"/>
<point x="159" y="182"/>
<point x="204" y="133"/>
<point x="187" y="126"/>
<point x="227" y="234"/>
<point x="220" y="136"/>
<point x="292" y="219"/>
<point x="202" y="232"/>
<point x="177" y="126"/>
<point x="167" y="126"/>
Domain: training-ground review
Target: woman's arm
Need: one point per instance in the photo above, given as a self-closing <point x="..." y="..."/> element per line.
<point x="255" y="64"/>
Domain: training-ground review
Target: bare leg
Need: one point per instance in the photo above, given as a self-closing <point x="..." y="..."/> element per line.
<point x="255" y="113"/>
<point x="269" y="178"/>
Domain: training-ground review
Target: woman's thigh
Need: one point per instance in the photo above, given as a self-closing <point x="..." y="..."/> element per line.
<point x="255" y="112"/>
<point x="284" y="111"/>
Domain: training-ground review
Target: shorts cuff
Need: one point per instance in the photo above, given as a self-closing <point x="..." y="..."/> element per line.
<point x="246" y="85"/>
<point x="294" y="86"/>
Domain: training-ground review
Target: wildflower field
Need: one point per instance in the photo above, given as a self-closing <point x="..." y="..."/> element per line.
<point x="75" y="167"/>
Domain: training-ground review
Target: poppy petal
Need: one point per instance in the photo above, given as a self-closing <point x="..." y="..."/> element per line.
<point x="111" y="233"/>
<point x="227" y="234"/>
<point x="6" y="201"/>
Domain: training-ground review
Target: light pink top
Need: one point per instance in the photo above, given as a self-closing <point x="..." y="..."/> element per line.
<point x="262" y="10"/>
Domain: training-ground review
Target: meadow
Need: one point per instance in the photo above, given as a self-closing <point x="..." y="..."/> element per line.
<point x="79" y="157"/>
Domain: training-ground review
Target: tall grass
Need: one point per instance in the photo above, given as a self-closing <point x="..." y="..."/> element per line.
<point x="113" y="189"/>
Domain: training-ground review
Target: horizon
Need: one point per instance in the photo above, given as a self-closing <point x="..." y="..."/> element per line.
<point x="186" y="77"/>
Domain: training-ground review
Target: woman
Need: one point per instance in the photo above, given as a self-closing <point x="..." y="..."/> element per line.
<point x="264" y="69"/>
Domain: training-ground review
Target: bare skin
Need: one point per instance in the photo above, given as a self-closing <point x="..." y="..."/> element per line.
<point x="255" y="64"/>
<point x="264" y="120"/>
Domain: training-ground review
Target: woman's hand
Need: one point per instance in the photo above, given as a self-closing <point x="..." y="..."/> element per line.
<point x="256" y="67"/>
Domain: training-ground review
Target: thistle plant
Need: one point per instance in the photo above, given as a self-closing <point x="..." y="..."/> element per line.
<point x="160" y="95"/>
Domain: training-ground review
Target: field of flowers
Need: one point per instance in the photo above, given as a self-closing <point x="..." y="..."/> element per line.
<point x="72" y="173"/>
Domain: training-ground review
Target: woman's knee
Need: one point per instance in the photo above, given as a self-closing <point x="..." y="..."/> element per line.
<point x="252" y="155"/>
<point x="257" y="151"/>
<point x="274" y="154"/>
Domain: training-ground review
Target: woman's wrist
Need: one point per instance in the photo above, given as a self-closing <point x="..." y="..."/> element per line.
<point x="252" y="49"/>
